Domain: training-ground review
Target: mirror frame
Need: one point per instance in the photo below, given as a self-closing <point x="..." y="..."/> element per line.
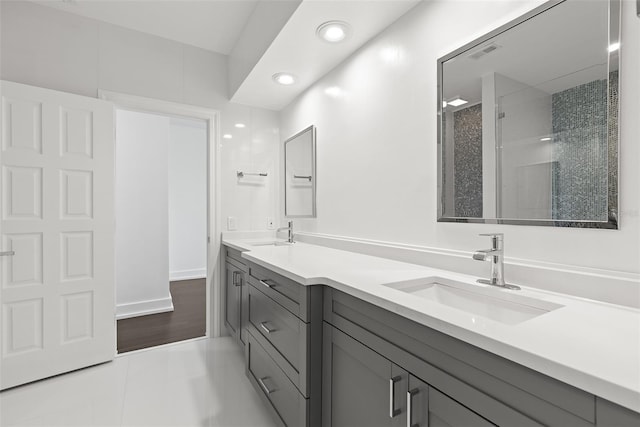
<point x="311" y="128"/>
<point x="615" y="17"/>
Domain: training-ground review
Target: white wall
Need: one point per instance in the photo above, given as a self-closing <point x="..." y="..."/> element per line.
<point x="254" y="149"/>
<point x="376" y="148"/>
<point x="142" y="214"/>
<point x="79" y="55"/>
<point x="187" y="199"/>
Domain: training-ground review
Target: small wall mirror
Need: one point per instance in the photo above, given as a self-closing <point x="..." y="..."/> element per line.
<point x="300" y="174"/>
<point x="528" y="120"/>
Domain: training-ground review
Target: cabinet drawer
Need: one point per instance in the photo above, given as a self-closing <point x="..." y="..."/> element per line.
<point x="281" y="328"/>
<point x="234" y="257"/>
<point x="289" y="294"/>
<point x="274" y="386"/>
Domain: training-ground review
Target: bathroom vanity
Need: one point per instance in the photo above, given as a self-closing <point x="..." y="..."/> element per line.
<point x="335" y="338"/>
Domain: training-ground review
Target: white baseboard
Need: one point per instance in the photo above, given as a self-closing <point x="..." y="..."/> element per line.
<point x="615" y="287"/>
<point x="143" y="308"/>
<point x="198" y="273"/>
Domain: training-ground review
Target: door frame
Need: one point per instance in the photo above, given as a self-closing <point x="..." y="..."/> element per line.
<point x="212" y="118"/>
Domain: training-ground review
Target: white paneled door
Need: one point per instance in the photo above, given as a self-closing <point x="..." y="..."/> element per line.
<point x="56" y="233"/>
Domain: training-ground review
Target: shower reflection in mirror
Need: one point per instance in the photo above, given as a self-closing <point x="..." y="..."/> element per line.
<point x="528" y="128"/>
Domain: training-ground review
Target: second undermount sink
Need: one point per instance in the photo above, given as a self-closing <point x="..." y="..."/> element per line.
<point x="501" y="305"/>
<point x="271" y="243"/>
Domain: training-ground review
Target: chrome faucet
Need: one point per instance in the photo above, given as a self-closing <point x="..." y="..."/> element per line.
<point x="289" y="229"/>
<point x="496" y="256"/>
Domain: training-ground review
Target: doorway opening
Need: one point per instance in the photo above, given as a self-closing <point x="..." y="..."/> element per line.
<point x="163" y="221"/>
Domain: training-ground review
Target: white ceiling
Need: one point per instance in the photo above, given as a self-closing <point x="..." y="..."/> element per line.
<point x="561" y="48"/>
<point x="213" y="25"/>
<point x="299" y="51"/>
<point x="216" y="25"/>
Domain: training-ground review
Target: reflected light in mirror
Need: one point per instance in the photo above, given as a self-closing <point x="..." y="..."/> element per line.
<point x="456" y="102"/>
<point x="239" y="125"/>
<point x="227" y="136"/>
<point x="613" y="47"/>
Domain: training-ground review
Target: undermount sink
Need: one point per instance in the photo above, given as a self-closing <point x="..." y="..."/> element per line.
<point x="271" y="243"/>
<point x="502" y="305"/>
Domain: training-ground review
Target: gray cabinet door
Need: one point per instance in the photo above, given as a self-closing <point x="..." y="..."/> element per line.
<point x="232" y="299"/>
<point x="443" y="411"/>
<point x="360" y="387"/>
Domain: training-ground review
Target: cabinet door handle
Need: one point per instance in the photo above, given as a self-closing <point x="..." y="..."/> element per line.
<point x="266" y="328"/>
<point x="392" y="396"/>
<point x="410" y="395"/>
<point x="268" y="285"/>
<point x="239" y="279"/>
<point x="235" y="278"/>
<point x="7" y="253"/>
<point x="264" y="386"/>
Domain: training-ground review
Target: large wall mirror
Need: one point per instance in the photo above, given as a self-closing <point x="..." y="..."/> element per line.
<point x="300" y="174"/>
<point x="528" y="120"/>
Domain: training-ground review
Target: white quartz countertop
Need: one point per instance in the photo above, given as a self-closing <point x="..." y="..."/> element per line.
<point x="591" y="345"/>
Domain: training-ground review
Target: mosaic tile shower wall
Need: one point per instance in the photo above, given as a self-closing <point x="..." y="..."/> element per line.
<point x="468" y="161"/>
<point x="584" y="160"/>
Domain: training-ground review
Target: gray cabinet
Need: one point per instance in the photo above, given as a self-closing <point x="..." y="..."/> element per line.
<point x="480" y="387"/>
<point x="361" y="388"/>
<point x="358" y="385"/>
<point x="283" y="354"/>
<point x="318" y="356"/>
<point x="609" y="414"/>
<point x="235" y="295"/>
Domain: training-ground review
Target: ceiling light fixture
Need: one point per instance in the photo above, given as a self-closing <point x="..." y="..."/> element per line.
<point x="613" y="47"/>
<point x="333" y="31"/>
<point x="457" y="101"/>
<point x="239" y="125"/>
<point x="546" y="138"/>
<point x="227" y="136"/>
<point x="284" y="78"/>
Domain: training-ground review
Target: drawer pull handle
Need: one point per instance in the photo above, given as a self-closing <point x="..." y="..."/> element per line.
<point x="268" y="285"/>
<point x="236" y="275"/>
<point x="392" y="396"/>
<point x="410" y="395"/>
<point x="264" y="386"/>
<point x="266" y="328"/>
<point x="8" y="253"/>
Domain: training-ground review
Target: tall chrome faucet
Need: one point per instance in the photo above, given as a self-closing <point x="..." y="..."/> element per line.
<point x="289" y="229"/>
<point x="496" y="256"/>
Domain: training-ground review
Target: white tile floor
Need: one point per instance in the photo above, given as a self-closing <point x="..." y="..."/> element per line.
<point x="196" y="383"/>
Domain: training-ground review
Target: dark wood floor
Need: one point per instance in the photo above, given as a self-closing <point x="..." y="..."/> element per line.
<point x="185" y="322"/>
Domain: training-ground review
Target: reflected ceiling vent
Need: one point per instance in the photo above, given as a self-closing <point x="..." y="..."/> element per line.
<point x="485" y="50"/>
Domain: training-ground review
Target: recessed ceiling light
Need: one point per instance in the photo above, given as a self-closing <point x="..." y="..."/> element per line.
<point x="239" y="125"/>
<point x="333" y="31"/>
<point x="284" y="78"/>
<point x="227" y="136"/>
<point x="613" y="47"/>
<point x="456" y="102"/>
